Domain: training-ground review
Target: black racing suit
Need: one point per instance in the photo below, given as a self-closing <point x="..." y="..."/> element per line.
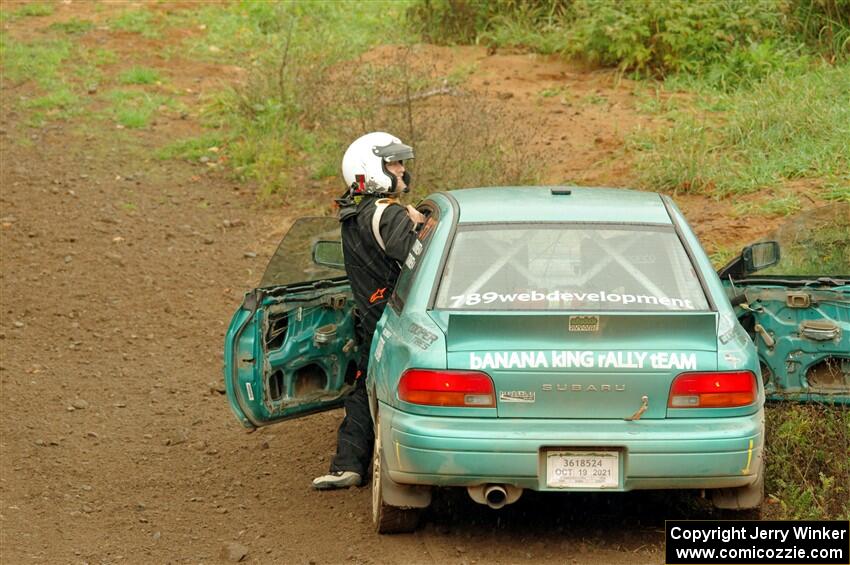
<point x="373" y="273"/>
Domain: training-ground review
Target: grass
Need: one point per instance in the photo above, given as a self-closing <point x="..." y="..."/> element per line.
<point x="289" y="49"/>
<point x="58" y="98"/>
<point x="98" y="57"/>
<point x="773" y="206"/>
<point x="73" y="26"/>
<point x="808" y="460"/>
<point x="594" y="99"/>
<point x="89" y="63"/>
<point x="723" y="254"/>
<point x="838" y="190"/>
<point x="46" y="64"/>
<point x="135" y="109"/>
<point x="251" y="31"/>
<point x="139" y="75"/>
<point x="137" y="21"/>
<point x="723" y="42"/>
<point x="39" y="61"/>
<point x="553" y="91"/>
<point x="785" y="127"/>
<point x="192" y="149"/>
<point x="36" y="9"/>
<point x="460" y="73"/>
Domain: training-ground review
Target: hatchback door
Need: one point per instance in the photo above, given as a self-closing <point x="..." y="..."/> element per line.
<point x="792" y="295"/>
<point x="290" y="349"/>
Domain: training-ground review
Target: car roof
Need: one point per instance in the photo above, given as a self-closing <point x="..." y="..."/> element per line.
<point x="539" y="204"/>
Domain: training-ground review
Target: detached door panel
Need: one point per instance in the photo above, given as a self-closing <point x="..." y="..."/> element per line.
<point x="291" y="349"/>
<point x="797" y="311"/>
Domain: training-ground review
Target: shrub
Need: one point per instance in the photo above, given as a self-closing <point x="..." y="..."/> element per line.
<point x="672" y="36"/>
<point x="727" y="41"/>
<point x="823" y="24"/>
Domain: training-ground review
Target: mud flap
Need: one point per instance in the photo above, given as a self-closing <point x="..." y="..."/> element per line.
<point x="405" y="496"/>
<point x="741" y="498"/>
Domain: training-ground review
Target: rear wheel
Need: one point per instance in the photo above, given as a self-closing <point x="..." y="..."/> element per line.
<point x="388" y="519"/>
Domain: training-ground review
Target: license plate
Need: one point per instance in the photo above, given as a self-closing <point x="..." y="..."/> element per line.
<point x="583" y="469"/>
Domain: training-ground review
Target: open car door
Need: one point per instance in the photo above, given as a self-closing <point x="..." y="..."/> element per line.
<point x="290" y="349"/>
<point x="797" y="307"/>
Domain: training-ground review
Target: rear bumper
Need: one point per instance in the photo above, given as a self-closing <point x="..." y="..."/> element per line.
<point x="654" y="454"/>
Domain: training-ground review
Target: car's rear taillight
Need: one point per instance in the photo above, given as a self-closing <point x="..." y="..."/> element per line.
<point x="720" y="389"/>
<point x="447" y="388"/>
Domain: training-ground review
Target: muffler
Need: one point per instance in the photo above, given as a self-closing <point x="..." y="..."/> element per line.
<point x="494" y="496"/>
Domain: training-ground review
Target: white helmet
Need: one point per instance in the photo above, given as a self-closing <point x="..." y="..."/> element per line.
<point x="364" y="163"/>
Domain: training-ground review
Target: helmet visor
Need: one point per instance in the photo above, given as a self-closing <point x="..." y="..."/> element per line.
<point x="394" y="152"/>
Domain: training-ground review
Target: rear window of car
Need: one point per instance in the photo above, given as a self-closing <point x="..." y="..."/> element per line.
<point x="569" y="267"/>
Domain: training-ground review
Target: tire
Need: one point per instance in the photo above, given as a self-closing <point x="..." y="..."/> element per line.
<point x="388" y="519"/>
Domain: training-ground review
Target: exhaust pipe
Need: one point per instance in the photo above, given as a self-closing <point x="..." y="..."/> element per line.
<point x="494" y="496"/>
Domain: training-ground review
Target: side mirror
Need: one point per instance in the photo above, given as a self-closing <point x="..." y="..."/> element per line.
<point x="328" y="254"/>
<point x="759" y="256"/>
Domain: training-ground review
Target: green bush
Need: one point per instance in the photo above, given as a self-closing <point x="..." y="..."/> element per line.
<point x="447" y="22"/>
<point x="822" y="24"/>
<point x="724" y="41"/>
<point x="676" y="35"/>
<point x="506" y="23"/>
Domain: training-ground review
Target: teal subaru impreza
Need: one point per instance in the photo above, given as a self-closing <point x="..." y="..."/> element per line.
<point x="552" y="339"/>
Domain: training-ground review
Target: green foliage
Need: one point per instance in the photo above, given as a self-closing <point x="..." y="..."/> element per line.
<point x="209" y="145"/>
<point x="291" y="50"/>
<point x="508" y="23"/>
<point x="139" y="75"/>
<point x="679" y="36"/>
<point x="307" y="96"/>
<point x="722" y="255"/>
<point x="58" y="98"/>
<point x="137" y="21"/>
<point x="45" y="63"/>
<point x="838" y="191"/>
<point x="724" y="42"/>
<point x="552" y="91"/>
<point x="99" y="56"/>
<point x="776" y="206"/>
<point x="447" y="21"/>
<point x="823" y="24"/>
<point x="134" y="108"/>
<point x="808" y="460"/>
<point x="784" y="127"/>
<point x="40" y="61"/>
<point x="73" y="26"/>
<point x="35" y="9"/>
<point x="254" y="33"/>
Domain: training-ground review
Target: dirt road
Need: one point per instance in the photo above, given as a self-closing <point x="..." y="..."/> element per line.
<point x="119" y="275"/>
